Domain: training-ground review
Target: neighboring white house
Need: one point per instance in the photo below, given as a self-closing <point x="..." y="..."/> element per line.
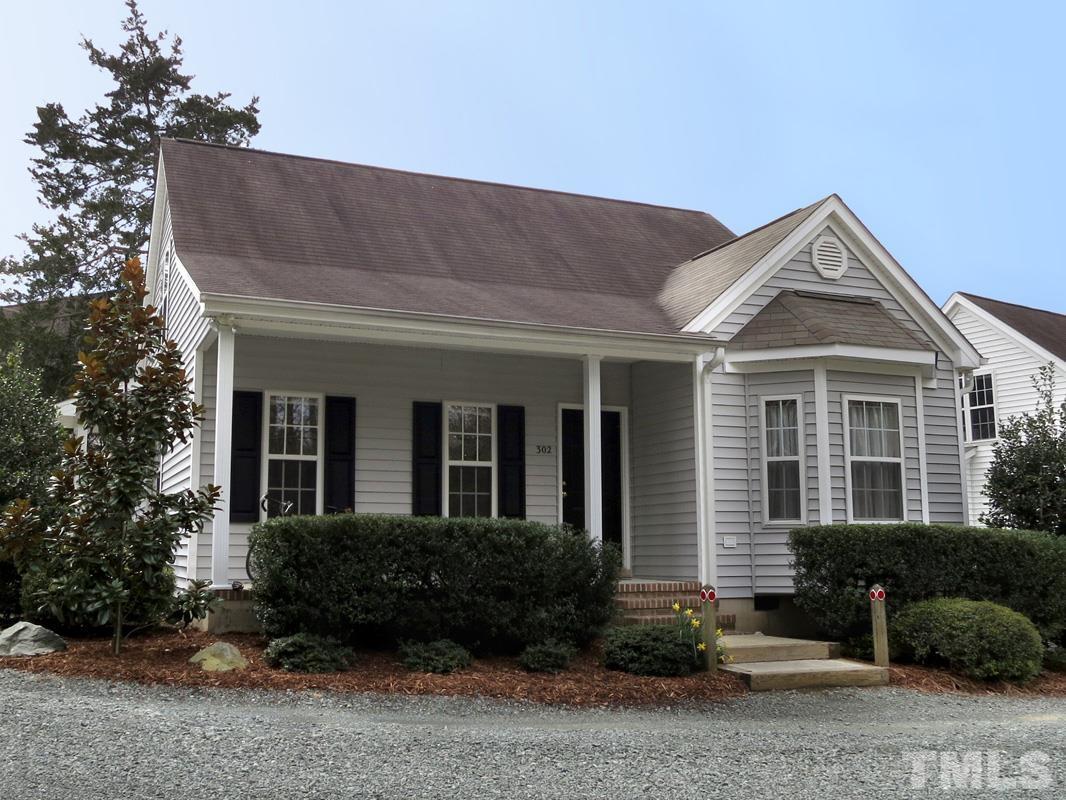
<point x="401" y="343"/>
<point x="1016" y="341"/>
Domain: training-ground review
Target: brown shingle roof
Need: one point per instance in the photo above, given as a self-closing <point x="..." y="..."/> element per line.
<point x="256" y="224"/>
<point x="692" y="286"/>
<point x="1045" y="328"/>
<point x="808" y="318"/>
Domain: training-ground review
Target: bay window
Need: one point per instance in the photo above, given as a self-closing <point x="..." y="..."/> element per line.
<point x="874" y="455"/>
<point x="470" y="468"/>
<point x="782" y="460"/>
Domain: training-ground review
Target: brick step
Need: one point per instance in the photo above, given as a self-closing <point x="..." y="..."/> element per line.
<point x="658" y="587"/>
<point x="807" y="673"/>
<point x="663" y="601"/>
<point x="648" y="619"/>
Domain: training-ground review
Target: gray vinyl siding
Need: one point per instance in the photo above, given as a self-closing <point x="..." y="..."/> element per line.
<point x="944" y="478"/>
<point x="799" y="273"/>
<point x="385" y="381"/>
<point x="732" y="492"/>
<point x="771" y="558"/>
<point x="664" y="471"/>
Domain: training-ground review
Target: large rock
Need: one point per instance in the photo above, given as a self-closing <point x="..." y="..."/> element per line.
<point x="219" y="657"/>
<point x="27" y="639"/>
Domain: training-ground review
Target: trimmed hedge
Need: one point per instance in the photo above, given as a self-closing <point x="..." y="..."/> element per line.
<point x="488" y="584"/>
<point x="983" y="640"/>
<point x="836" y="564"/>
<point x="649" y="650"/>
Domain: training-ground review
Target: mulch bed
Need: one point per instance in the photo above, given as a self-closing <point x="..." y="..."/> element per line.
<point x="931" y="679"/>
<point x="162" y="659"/>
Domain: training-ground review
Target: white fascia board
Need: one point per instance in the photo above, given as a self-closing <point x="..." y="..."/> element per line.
<point x="159" y="204"/>
<point x="319" y="320"/>
<point x="957" y="301"/>
<point x="834" y="213"/>
<point x="890" y="355"/>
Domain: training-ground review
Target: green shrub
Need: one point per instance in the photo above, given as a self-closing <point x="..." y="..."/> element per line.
<point x="980" y="639"/>
<point x="305" y="652"/>
<point x="648" y="650"/>
<point x="549" y="656"/>
<point x="442" y="656"/>
<point x="10" y="592"/>
<point x="1055" y="658"/>
<point x="836" y="564"/>
<point x="491" y="584"/>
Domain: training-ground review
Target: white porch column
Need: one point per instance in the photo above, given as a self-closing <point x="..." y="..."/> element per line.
<point x="593" y="451"/>
<point x="223" y="441"/>
<point x="702" y="407"/>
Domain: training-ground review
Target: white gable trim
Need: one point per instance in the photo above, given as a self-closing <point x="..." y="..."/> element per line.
<point x="843" y="222"/>
<point x="160" y="208"/>
<point x="957" y="301"/>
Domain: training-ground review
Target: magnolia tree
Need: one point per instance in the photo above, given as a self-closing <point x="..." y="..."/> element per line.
<point x="1026" y="482"/>
<point x="99" y="550"/>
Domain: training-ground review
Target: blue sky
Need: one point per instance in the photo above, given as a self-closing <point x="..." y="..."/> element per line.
<point x="941" y="124"/>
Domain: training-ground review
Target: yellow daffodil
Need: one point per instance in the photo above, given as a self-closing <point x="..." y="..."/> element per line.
<point x="688" y="612"/>
<point x="701" y="646"/>
<point x="676" y="607"/>
<point x="695" y="623"/>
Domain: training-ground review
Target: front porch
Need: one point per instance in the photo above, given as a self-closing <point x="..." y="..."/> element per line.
<point x="630" y="477"/>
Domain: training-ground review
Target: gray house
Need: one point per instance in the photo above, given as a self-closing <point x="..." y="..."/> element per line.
<point x="401" y="343"/>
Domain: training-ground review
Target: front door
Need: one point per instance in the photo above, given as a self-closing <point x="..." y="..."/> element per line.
<point x="573" y="484"/>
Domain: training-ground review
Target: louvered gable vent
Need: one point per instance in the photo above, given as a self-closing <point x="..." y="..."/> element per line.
<point x="829" y="257"/>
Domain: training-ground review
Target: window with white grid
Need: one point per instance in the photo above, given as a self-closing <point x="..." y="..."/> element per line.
<point x="981" y="408"/>
<point x="293" y="453"/>
<point x="470" y="462"/>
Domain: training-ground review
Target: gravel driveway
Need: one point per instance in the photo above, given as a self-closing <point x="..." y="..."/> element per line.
<point x="81" y="739"/>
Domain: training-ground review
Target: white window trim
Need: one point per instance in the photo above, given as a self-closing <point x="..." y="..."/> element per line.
<point x="801" y="457"/>
<point x="627" y="543"/>
<point x="447" y="462"/>
<point x="845" y="419"/>
<point x="320" y="469"/>
<point x="967" y="408"/>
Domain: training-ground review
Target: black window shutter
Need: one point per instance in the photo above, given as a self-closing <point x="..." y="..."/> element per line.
<point x="246" y="456"/>
<point x="340" y="455"/>
<point x="426" y="459"/>
<point x="511" y="461"/>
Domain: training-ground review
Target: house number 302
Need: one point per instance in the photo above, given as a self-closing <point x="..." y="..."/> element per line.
<point x="544" y="449"/>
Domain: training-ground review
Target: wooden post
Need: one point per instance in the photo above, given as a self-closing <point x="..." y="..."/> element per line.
<point x="880" y="625"/>
<point x="709" y="626"/>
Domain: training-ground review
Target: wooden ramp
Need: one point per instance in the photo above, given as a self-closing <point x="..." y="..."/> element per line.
<point x="777" y="662"/>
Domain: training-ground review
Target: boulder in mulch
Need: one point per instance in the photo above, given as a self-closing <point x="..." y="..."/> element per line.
<point x="27" y="639"/>
<point x="219" y="657"/>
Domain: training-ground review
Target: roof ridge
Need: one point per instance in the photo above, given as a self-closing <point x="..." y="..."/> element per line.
<point x="1015" y="305"/>
<point x="764" y="226"/>
<point x="323" y="160"/>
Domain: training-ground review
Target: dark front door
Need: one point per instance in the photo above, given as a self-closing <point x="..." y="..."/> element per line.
<point x="573" y="422"/>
